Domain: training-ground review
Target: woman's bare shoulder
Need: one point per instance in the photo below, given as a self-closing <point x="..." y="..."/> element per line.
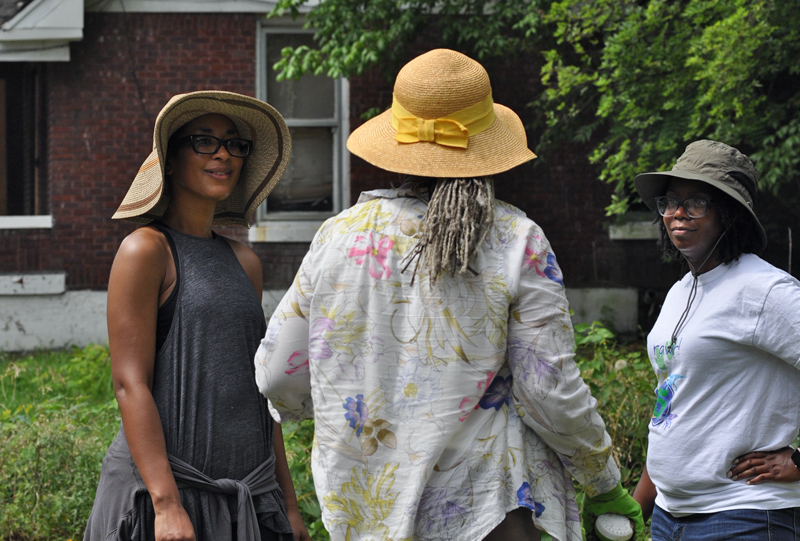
<point x="138" y="277"/>
<point x="144" y="249"/>
<point x="145" y="241"/>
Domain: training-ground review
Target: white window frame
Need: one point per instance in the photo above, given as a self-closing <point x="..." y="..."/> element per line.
<point x="24" y="221"/>
<point x="639" y="230"/>
<point x="291" y="226"/>
<point x="633" y="225"/>
<point x="38" y="221"/>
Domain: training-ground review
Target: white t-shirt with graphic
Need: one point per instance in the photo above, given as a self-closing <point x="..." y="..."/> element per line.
<point x="730" y="385"/>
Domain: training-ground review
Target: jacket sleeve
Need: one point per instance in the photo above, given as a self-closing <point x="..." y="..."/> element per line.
<point x="549" y="393"/>
<point x="282" y="368"/>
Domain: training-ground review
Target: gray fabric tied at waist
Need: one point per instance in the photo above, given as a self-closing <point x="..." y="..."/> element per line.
<point x="259" y="481"/>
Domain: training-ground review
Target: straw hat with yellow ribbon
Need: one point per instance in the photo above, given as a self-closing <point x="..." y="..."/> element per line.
<point x="443" y="123"/>
<point x="256" y="120"/>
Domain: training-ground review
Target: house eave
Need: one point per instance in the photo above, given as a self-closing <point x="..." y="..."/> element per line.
<point x="42" y="31"/>
<point x="191" y="6"/>
<point x="34" y="51"/>
<point x="41" y="34"/>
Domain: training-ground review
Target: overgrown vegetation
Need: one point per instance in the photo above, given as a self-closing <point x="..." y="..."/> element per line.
<point x="58" y="416"/>
<point x="622" y="381"/>
<point x="298" y="438"/>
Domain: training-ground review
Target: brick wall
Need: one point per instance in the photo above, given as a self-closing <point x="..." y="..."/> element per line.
<point x="101" y="109"/>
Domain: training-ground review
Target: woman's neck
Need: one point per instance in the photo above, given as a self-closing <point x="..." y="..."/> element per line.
<point x="191" y="221"/>
<point x="701" y="267"/>
<point x="709" y="262"/>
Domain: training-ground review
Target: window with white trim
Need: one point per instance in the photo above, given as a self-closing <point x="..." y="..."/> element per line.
<point x="315" y="184"/>
<point x="22" y="198"/>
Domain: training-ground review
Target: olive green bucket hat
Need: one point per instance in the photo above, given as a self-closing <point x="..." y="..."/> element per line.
<point x="714" y="163"/>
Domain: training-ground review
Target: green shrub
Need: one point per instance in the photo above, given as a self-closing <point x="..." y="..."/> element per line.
<point x="298" y="439"/>
<point x="57" y="417"/>
<point x="49" y="469"/>
<point x="622" y="381"/>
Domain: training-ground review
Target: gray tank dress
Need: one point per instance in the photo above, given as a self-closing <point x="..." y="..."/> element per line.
<point x="217" y="426"/>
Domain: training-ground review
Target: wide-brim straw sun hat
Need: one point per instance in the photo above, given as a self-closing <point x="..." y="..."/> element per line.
<point x="443" y="123"/>
<point x="256" y="120"/>
<point x="714" y="163"/>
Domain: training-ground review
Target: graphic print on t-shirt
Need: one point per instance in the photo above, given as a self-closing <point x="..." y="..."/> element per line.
<point x="662" y="413"/>
<point x="660" y="353"/>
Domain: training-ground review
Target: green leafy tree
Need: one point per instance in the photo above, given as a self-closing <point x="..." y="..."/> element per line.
<point x="657" y="75"/>
<point x="355" y="35"/>
<point x="637" y="79"/>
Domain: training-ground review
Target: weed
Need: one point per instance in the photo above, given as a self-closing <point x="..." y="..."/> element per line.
<point x="57" y="417"/>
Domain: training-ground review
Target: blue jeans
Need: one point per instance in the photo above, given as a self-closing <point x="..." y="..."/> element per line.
<point x="739" y="524"/>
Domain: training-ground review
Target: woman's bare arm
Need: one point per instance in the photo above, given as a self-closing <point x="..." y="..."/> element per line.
<point x="645" y="494"/>
<point x="134" y="287"/>
<point x="285" y="481"/>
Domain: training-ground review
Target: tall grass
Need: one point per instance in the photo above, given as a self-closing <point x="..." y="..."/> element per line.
<point x="58" y="416"/>
<point x="622" y="380"/>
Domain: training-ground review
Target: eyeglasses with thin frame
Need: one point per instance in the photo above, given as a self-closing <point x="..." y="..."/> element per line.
<point x="695" y="207"/>
<point x="208" y="144"/>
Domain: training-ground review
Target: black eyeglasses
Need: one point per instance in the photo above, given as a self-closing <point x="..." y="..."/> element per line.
<point x="208" y="144"/>
<point x="695" y="207"/>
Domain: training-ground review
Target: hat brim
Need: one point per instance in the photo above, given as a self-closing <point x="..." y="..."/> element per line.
<point x="651" y="185"/>
<point x="146" y="200"/>
<point x="499" y="148"/>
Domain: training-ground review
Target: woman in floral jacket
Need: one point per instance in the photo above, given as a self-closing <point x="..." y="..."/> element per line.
<point x="428" y="335"/>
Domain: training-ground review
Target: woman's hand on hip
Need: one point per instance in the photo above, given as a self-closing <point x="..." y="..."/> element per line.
<point x="760" y="466"/>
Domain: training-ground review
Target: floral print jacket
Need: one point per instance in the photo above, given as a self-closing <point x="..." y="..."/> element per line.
<point x="437" y="409"/>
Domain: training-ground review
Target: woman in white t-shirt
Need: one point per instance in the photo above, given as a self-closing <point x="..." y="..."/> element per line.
<point x="727" y="358"/>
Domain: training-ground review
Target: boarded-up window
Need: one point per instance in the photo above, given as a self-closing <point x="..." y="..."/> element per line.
<point x="20" y="189"/>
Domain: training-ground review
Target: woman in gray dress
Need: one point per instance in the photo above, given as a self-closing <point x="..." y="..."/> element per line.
<point x="198" y="455"/>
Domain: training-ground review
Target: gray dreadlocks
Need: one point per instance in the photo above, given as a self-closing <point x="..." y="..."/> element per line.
<point x="459" y="216"/>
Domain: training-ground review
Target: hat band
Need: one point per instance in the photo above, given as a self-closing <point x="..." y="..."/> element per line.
<point x="454" y="130"/>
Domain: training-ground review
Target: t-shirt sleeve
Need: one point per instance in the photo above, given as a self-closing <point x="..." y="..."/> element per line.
<point x="778" y="328"/>
<point x="549" y="393"/>
<point x="281" y="362"/>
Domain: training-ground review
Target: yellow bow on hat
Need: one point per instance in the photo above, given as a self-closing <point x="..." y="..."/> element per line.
<point x="454" y="130"/>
